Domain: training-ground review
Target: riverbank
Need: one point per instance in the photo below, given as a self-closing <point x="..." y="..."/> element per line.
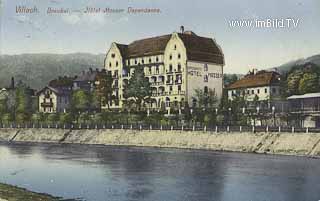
<point x="13" y="193"/>
<point x="300" y="144"/>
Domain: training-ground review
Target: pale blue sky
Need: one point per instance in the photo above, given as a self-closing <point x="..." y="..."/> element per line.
<point x="244" y="48"/>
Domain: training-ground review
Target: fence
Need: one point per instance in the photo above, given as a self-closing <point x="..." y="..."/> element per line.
<point x="216" y="129"/>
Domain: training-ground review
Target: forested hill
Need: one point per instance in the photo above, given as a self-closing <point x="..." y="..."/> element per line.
<point x="284" y="68"/>
<point x="37" y="70"/>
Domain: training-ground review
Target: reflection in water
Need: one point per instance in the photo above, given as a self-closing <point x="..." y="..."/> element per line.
<point x="99" y="173"/>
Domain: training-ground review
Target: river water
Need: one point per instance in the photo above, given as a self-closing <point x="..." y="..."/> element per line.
<point x="108" y="173"/>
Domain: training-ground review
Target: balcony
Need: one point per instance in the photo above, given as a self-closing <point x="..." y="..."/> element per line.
<point x="178" y="81"/>
<point x="46" y="104"/>
<point x="174" y="93"/>
<point x="157" y="83"/>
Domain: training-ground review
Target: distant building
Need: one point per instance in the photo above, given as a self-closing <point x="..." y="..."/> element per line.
<point x="87" y="80"/>
<point x="53" y="100"/>
<point x="307" y="109"/>
<point x="264" y="85"/>
<point x="175" y="64"/>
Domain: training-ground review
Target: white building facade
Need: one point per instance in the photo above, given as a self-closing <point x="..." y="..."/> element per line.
<point x="53" y="100"/>
<point x="263" y="85"/>
<point x="175" y="64"/>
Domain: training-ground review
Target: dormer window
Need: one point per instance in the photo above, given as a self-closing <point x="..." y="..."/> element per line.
<point x="113" y="55"/>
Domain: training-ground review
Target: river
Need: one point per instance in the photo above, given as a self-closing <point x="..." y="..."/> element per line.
<point x="109" y="173"/>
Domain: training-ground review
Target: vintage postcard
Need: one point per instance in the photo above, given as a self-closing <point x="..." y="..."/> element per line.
<point x="159" y="100"/>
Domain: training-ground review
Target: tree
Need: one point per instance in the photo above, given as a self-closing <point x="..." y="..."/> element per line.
<point x="229" y="79"/>
<point x="206" y="99"/>
<point x="309" y="83"/>
<point x="104" y="89"/>
<point x="139" y="88"/>
<point x="293" y="81"/>
<point x="80" y="100"/>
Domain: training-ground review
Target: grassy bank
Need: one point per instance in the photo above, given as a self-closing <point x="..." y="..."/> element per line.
<point x="12" y="193"/>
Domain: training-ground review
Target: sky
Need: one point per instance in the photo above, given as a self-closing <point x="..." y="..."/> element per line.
<point x="244" y="47"/>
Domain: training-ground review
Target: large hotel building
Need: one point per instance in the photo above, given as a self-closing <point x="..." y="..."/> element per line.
<point x="175" y="64"/>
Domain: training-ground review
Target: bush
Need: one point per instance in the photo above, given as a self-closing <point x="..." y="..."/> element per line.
<point x="6" y="118"/>
<point x="52" y="118"/>
<point x="38" y="117"/>
<point x="65" y="118"/>
<point x="84" y="118"/>
<point x="21" y="118"/>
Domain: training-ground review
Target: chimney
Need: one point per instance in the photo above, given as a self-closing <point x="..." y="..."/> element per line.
<point x="182" y="29"/>
<point x="12" y="83"/>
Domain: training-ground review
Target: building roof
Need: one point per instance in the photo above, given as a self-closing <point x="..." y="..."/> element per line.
<point x="261" y="78"/>
<point x="198" y="48"/>
<point x="309" y="95"/>
<point x="87" y="76"/>
<point x="58" y="91"/>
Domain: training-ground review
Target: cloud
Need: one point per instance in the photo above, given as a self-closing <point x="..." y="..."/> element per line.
<point x="71" y="19"/>
<point x="92" y="19"/>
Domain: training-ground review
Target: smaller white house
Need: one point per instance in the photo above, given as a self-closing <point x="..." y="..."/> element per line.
<point x="262" y="84"/>
<point x="54" y="100"/>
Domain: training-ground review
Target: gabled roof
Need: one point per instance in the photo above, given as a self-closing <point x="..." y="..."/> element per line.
<point x="262" y="78"/>
<point x="58" y="91"/>
<point x="198" y="48"/>
<point x="202" y="49"/>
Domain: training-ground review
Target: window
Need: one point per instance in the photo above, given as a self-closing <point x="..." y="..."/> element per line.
<point x="179" y="56"/>
<point x="142" y="61"/>
<point x="109" y="64"/>
<point x="50" y="100"/>
<point x="135" y="61"/>
<point x="206" y="78"/>
<point x="179" y="67"/>
<point x="175" y="47"/>
<point x="150" y="60"/>
<point x="179" y="88"/>
<point x="157" y="59"/>
<point x="117" y="63"/>
<point x="265" y="90"/>
<point x="170" y="88"/>
<point x="170" y="68"/>
<point x="258" y="91"/>
<point x="170" y="57"/>
<point x="113" y="55"/>
<point x="205" y="90"/>
<point x="252" y="91"/>
<point x="205" y="67"/>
